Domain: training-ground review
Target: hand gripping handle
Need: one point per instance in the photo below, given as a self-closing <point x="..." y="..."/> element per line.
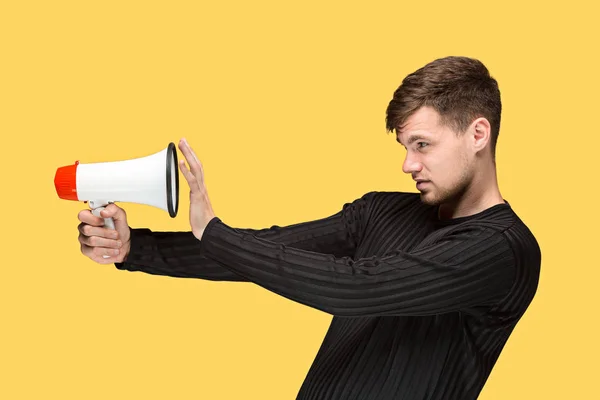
<point x="108" y="222"/>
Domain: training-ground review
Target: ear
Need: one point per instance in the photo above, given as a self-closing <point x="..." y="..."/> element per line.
<point x="481" y="132"/>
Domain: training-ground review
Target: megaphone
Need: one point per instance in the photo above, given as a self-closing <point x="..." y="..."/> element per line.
<point x="151" y="180"/>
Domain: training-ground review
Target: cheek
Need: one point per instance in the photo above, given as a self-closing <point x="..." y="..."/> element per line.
<point x="444" y="169"/>
<point x="447" y="171"/>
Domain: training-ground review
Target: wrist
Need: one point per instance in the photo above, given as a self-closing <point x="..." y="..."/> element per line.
<point x="124" y="250"/>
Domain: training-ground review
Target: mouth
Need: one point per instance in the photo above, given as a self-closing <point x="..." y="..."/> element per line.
<point x="422" y="184"/>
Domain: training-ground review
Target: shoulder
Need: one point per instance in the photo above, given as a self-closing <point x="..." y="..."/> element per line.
<point x="526" y="257"/>
<point x="498" y="224"/>
<point x="504" y="227"/>
<point x="503" y="222"/>
<point x="525" y="247"/>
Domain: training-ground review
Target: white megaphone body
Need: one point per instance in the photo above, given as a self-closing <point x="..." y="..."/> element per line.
<point x="151" y="180"/>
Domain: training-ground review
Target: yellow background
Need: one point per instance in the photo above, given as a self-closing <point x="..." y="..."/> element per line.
<point x="284" y="102"/>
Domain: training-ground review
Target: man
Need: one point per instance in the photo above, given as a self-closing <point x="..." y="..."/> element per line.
<point x="424" y="288"/>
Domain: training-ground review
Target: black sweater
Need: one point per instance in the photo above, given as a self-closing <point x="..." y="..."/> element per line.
<point x="421" y="307"/>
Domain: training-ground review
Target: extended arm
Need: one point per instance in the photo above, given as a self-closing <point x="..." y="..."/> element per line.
<point x="179" y="254"/>
<point x="471" y="267"/>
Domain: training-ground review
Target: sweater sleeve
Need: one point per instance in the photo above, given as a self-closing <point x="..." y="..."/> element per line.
<point x="179" y="254"/>
<point x="469" y="267"/>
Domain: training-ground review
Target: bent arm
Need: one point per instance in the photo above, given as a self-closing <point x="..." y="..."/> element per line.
<point x="471" y="267"/>
<point x="179" y="254"/>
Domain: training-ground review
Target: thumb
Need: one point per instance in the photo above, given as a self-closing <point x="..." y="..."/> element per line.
<point x="117" y="214"/>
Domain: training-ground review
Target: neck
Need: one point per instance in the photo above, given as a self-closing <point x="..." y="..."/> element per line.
<point x="481" y="193"/>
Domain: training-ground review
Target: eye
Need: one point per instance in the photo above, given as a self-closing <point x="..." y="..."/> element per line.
<point x="420" y="143"/>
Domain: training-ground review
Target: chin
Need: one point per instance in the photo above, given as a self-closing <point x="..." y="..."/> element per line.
<point x="443" y="196"/>
<point x="429" y="198"/>
<point x="436" y="196"/>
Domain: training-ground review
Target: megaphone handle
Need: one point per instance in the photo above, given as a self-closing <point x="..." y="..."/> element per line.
<point x="108" y="222"/>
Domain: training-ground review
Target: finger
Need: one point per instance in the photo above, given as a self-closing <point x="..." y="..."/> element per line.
<point x="115" y="212"/>
<point x="192" y="159"/>
<point x="196" y="159"/>
<point x="89" y="230"/>
<point x="87" y="217"/>
<point x="183" y="142"/>
<point x="98" y="251"/>
<point x="119" y="217"/>
<point x="103" y="251"/>
<point x="97" y="254"/>
<point x="96" y="241"/>
<point x="189" y="177"/>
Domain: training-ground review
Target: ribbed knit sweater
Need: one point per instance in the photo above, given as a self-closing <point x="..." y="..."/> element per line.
<point x="421" y="307"/>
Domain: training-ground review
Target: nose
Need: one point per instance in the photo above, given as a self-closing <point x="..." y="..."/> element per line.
<point x="411" y="164"/>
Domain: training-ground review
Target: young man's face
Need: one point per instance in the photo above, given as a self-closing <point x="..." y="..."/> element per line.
<point x="436" y="155"/>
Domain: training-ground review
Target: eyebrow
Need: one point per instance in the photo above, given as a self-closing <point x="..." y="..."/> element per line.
<point x="413" y="138"/>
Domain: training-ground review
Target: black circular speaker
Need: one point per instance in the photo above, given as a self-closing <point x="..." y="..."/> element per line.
<point x="172" y="180"/>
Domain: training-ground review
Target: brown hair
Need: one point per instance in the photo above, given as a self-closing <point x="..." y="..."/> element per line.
<point x="460" y="89"/>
